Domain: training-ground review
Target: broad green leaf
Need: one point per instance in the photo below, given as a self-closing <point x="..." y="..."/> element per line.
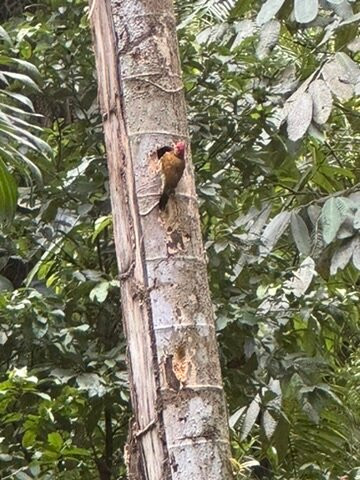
<point x="300" y="234"/>
<point x="269" y="9"/>
<point x="5" y="285"/>
<point x="29" y="67"/>
<point x="357" y="219"/>
<point x="5" y="36"/>
<point x="100" y="225"/>
<point x="76" y="452"/>
<point x="350" y="68"/>
<point x="19" y="475"/>
<point x="351" y="19"/>
<point x="235" y="417"/>
<point x="8" y="194"/>
<point x="244" y="29"/>
<point x="333" y="213"/>
<point x="269" y="35"/>
<point x="334" y="75"/>
<point x="342" y="9"/>
<point x="25" y="79"/>
<point x="322" y="101"/>
<point x="268" y="424"/>
<point x="250" y="418"/>
<point x="356" y="253"/>
<point x="34" y="170"/>
<point x="5" y="457"/>
<point x="28" y="439"/>
<point x="20" y="98"/>
<point x="55" y="440"/>
<point x="315" y="132"/>
<point x="302" y="278"/>
<point x="342" y="256"/>
<point x="100" y="292"/>
<point x="305" y="10"/>
<point x="299" y="118"/>
<point x="273" y="232"/>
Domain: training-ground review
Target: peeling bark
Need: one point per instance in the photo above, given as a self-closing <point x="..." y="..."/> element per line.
<point x="180" y="427"/>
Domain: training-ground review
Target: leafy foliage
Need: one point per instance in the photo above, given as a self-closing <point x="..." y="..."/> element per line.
<point x="64" y="401"/>
<point x="274" y="155"/>
<point x="276" y="159"/>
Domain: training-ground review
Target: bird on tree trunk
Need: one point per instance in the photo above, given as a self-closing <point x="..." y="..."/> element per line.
<point x="172" y="168"/>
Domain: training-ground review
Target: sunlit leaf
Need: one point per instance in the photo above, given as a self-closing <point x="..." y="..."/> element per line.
<point x="250" y="418"/>
<point x="322" y="101"/>
<point x="269" y="35"/>
<point x="302" y="277"/>
<point x="305" y="11"/>
<point x="268" y="10"/>
<point x="8" y="193"/>
<point x="332" y="215"/>
<point x="342" y="256"/>
<point x="274" y="231"/>
<point x="299" y="118"/>
<point x="300" y="234"/>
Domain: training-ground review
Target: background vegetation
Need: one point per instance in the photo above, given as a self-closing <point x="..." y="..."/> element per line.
<point x="276" y="152"/>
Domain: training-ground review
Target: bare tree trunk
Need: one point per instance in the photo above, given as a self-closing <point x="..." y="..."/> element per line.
<point x="180" y="422"/>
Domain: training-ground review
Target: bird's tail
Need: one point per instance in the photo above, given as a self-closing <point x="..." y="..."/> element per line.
<point x="163" y="200"/>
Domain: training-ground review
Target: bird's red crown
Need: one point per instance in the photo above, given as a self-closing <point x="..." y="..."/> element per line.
<point x="179" y="149"/>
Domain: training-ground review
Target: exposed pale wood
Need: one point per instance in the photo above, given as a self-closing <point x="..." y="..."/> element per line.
<point x="180" y="430"/>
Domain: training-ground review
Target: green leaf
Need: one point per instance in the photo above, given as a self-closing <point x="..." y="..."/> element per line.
<point x="350" y="68"/>
<point x="273" y="232"/>
<point x="5" y="36"/>
<point x="269" y="35"/>
<point x="100" y="292"/>
<point x="335" y="76"/>
<point x="100" y="225"/>
<point x="34" y="170"/>
<point x="5" y="284"/>
<point x="268" y="11"/>
<point x="23" y="476"/>
<point x="25" y="79"/>
<point x="305" y="11"/>
<point x="55" y="440"/>
<point x="4" y="457"/>
<point x="351" y="19"/>
<point x="322" y="101"/>
<point x="302" y="278"/>
<point x="8" y="194"/>
<point x="235" y="417"/>
<point x="27" y="66"/>
<point x="331" y="218"/>
<point x="20" y="98"/>
<point x="356" y="253"/>
<point x="357" y="219"/>
<point x="269" y="424"/>
<point x="28" y="439"/>
<point x="250" y="418"/>
<point x="342" y="256"/>
<point x="300" y="234"/>
<point x="299" y="118"/>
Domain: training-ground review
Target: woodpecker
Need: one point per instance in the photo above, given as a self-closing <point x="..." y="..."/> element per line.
<point x="172" y="167"/>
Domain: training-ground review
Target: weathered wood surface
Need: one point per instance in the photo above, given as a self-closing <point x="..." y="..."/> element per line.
<point x="180" y="430"/>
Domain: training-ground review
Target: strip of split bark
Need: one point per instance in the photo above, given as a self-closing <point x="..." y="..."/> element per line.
<point x="180" y="430"/>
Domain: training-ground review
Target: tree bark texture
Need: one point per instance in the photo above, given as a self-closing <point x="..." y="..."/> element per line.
<point x="180" y="427"/>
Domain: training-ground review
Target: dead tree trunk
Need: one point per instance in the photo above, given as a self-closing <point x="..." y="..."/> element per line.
<point x="180" y="422"/>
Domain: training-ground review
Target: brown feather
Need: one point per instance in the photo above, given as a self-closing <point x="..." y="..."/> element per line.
<point x="172" y="167"/>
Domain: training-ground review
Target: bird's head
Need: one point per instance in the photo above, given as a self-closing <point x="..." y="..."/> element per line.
<point x="179" y="149"/>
